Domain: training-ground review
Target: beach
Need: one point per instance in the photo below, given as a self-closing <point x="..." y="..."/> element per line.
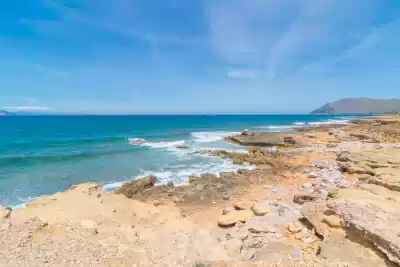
<point x="320" y="193"/>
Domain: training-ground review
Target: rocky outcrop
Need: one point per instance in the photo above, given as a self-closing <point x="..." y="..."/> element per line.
<point x="132" y="188"/>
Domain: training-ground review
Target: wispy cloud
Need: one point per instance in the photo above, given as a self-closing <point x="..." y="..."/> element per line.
<point x="281" y="37"/>
<point x="28" y="108"/>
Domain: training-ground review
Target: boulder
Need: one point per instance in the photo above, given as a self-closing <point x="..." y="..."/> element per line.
<point x="132" y="188"/>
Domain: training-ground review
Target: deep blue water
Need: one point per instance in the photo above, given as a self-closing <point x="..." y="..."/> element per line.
<point x="46" y="154"/>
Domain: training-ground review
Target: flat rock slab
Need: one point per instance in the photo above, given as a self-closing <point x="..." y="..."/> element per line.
<point x="373" y="217"/>
<point x="259" y="139"/>
<point x="341" y="250"/>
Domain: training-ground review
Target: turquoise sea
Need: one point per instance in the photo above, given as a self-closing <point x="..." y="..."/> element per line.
<point x="46" y="154"/>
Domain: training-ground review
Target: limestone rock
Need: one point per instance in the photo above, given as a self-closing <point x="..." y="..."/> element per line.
<point x="243" y="215"/>
<point x="315" y="214"/>
<point x="243" y="205"/>
<point x="234" y="217"/>
<point x="333" y="221"/>
<point x="295" y="227"/>
<point x="303" y="198"/>
<point x="256" y="229"/>
<point x="132" y="188"/>
<point x="260" y="209"/>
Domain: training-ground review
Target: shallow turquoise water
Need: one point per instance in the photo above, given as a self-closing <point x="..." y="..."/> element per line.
<point x="46" y="154"/>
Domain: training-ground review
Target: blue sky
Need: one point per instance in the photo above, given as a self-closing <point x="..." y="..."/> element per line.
<point x="197" y="56"/>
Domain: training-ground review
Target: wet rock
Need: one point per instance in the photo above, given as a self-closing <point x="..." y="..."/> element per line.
<point x="237" y="161"/>
<point x="260" y="209"/>
<point x="303" y="198"/>
<point x="132" y="188"/>
<point x="170" y="184"/>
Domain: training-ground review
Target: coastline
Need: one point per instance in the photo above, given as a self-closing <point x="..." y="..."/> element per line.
<point x="289" y="186"/>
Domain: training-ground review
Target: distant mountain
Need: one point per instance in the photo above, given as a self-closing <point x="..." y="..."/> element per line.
<point x="359" y="106"/>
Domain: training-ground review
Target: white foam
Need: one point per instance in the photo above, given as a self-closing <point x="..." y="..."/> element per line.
<point x="180" y="176"/>
<point x="276" y="127"/>
<point x="206" y="137"/>
<point x="330" y="121"/>
<point x="112" y="186"/>
<point x="155" y="145"/>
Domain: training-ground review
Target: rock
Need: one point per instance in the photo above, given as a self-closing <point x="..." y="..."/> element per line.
<point x="312" y="175"/>
<point x="256" y="229"/>
<point x="228" y="219"/>
<point x="303" y="198"/>
<point x="333" y="221"/>
<point x="331" y="145"/>
<point x="233" y="217"/>
<point x="5" y="212"/>
<point x="132" y="188"/>
<point x="307" y="185"/>
<point x="260" y="209"/>
<point x="170" y="184"/>
<point x="244" y="215"/>
<point x="227" y="210"/>
<point x="315" y="214"/>
<point x="192" y="179"/>
<point x="295" y="227"/>
<point x="237" y="161"/>
<point x="243" y="205"/>
<point x="245" y="132"/>
<point x="177" y="199"/>
<point x="253" y="242"/>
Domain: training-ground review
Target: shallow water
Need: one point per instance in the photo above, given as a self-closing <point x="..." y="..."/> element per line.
<point x="46" y="154"/>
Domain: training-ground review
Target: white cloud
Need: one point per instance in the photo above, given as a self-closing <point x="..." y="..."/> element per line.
<point x="28" y="108"/>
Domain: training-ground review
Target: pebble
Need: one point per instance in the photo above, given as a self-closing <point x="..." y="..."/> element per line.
<point x="227" y="210"/>
<point x="312" y="175"/>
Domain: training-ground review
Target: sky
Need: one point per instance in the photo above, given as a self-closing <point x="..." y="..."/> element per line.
<point x="196" y="56"/>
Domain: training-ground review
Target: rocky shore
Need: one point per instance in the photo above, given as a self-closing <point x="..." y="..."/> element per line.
<point x="324" y="196"/>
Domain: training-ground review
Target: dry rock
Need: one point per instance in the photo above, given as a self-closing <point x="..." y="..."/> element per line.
<point x="243" y="205"/>
<point x="259" y="209"/>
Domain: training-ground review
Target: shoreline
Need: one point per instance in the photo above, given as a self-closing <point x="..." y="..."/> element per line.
<point x="294" y="209"/>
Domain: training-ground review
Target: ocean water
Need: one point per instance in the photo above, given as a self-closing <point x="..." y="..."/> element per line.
<point x="47" y="154"/>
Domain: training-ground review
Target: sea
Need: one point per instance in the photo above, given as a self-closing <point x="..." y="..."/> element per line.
<point x="41" y="155"/>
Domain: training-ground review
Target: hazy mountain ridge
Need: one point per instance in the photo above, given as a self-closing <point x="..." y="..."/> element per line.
<point x="360" y="106"/>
